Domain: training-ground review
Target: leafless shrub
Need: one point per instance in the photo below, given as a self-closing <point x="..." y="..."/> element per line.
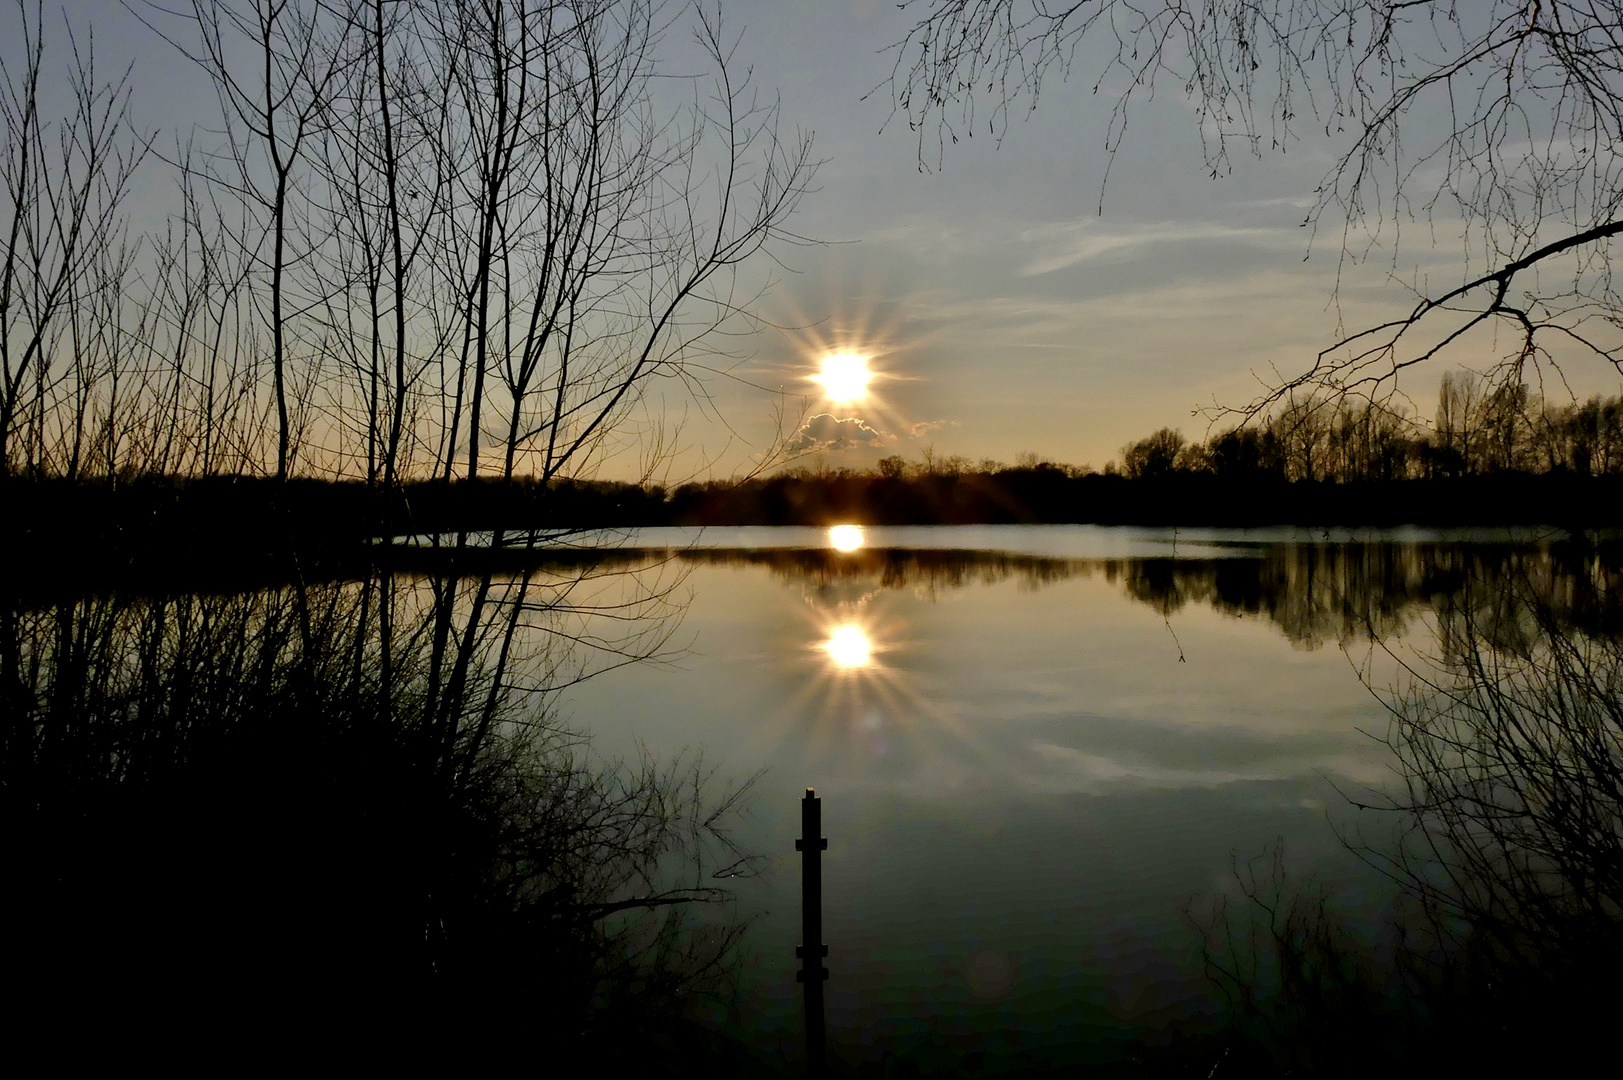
<point x="295" y="804"/>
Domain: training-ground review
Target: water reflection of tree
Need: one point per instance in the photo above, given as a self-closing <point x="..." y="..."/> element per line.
<point x="1319" y="593"/>
<point x="1507" y="859"/>
<point x="1313" y="593"/>
<point x="1507" y="854"/>
<point x="900" y="568"/>
<point x="351" y="803"/>
<point x="1511" y="754"/>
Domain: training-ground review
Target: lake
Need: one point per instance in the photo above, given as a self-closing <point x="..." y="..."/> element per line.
<point x="1042" y="751"/>
<point x="407" y="794"/>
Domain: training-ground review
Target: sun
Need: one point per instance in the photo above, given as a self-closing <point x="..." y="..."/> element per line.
<point x="845" y="377"/>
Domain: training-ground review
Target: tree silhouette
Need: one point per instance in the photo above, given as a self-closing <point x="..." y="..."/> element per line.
<point x="1153" y="456"/>
<point x="419" y="238"/>
<point x="1497" y="121"/>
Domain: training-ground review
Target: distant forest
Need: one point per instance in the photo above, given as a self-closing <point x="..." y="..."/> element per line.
<point x="1490" y="459"/>
<point x="1478" y="432"/>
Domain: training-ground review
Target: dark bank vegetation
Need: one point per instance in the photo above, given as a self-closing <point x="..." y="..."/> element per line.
<point x="260" y="788"/>
<point x="1478" y="430"/>
<point x="344" y="816"/>
<point x="1492" y="456"/>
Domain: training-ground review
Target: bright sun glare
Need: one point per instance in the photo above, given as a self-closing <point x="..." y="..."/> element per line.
<point x="845" y="377"/>
<point x="845" y="537"/>
<point x="849" y="647"/>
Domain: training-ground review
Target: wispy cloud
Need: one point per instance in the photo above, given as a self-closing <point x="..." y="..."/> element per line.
<point x="1070" y="242"/>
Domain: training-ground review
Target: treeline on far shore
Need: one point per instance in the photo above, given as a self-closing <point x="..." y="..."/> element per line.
<point x="200" y="520"/>
<point x="1490" y="459"/>
<point x="1480" y="429"/>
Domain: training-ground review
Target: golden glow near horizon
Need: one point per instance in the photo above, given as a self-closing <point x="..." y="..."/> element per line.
<point x="845" y="537"/>
<point x="849" y="647"/>
<point x="845" y="377"/>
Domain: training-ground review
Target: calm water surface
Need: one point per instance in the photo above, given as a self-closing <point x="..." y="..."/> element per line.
<point x="1037" y="747"/>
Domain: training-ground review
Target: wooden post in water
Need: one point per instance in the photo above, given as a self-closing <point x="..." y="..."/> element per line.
<point x="812" y="972"/>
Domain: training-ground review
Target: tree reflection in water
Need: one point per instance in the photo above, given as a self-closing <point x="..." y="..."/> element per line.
<point x="348" y="810"/>
<point x="1314" y="594"/>
<point x="1503" y="834"/>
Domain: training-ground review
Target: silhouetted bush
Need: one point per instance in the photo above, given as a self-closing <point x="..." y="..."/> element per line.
<point x="258" y="820"/>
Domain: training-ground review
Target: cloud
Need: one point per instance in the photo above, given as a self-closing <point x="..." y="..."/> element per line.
<point x="828" y="432"/>
<point x="1077" y="241"/>
<point x="924" y="427"/>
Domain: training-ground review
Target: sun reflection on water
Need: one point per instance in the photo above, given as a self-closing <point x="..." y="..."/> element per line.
<point x="845" y="537"/>
<point x="862" y="702"/>
<point x="849" y="647"/>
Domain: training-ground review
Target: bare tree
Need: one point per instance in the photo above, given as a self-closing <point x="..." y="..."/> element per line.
<point x="592" y="240"/>
<point x="65" y="254"/>
<point x="381" y="163"/>
<point x="424" y="238"/>
<point x="1152" y="457"/>
<point x="1509" y="749"/>
<point x="1497" y="120"/>
<point x="273" y="64"/>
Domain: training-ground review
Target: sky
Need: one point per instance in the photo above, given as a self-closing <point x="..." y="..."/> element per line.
<point x="1011" y="299"/>
<point x="1008" y="299"/>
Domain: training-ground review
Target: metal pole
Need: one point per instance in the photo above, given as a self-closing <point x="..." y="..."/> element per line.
<point x="812" y="972"/>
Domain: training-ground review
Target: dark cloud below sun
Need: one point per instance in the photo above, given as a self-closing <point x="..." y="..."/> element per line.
<point x="825" y="431"/>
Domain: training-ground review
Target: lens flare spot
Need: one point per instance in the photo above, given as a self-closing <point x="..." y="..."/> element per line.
<point x="849" y="647"/>
<point x="845" y="537"/>
<point x="845" y="377"/>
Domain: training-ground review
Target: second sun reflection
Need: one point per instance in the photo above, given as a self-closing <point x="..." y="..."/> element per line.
<point x="849" y="647"/>
<point x="861" y="702"/>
